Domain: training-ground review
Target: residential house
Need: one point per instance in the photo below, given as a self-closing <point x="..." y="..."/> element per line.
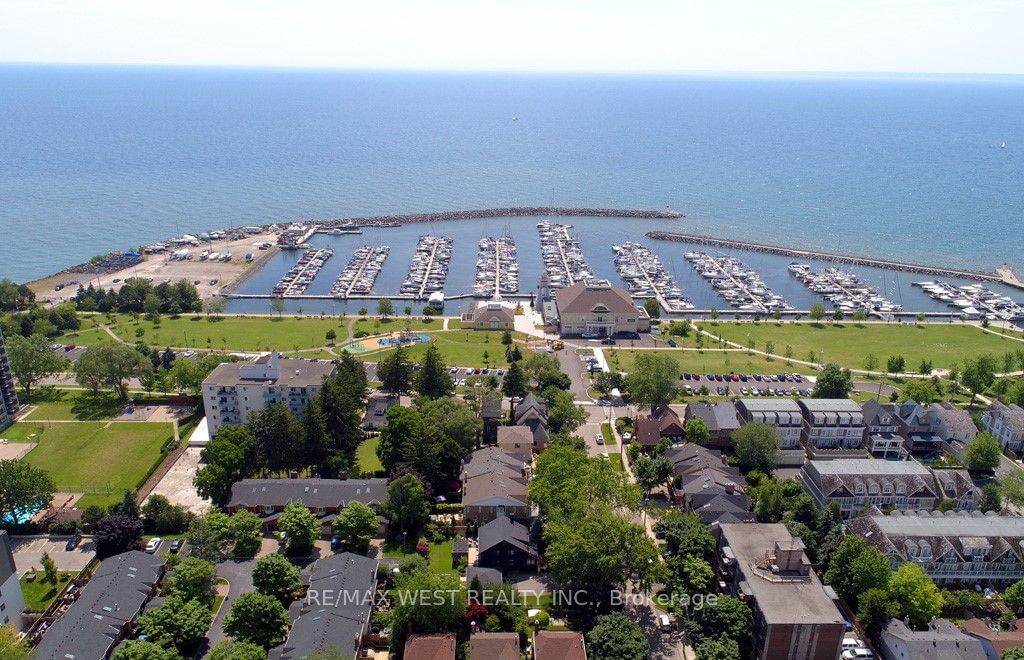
<point x="12" y="601"/>
<point x="104" y="610"/>
<point x="832" y="427"/>
<point x="533" y="413"/>
<point x="856" y="483"/>
<point x="1006" y="423"/>
<point x="505" y="544"/>
<point x="492" y="486"/>
<point x="494" y="646"/>
<point x="941" y="639"/>
<point x="377" y="407"/>
<point x="883" y="438"/>
<point x="235" y="390"/>
<point x="516" y="441"/>
<point x="793" y="616"/>
<point x="435" y="646"/>
<point x="336" y="610"/>
<point x="916" y="425"/>
<point x="491" y="460"/>
<point x="663" y="422"/>
<point x="488" y="315"/>
<point x="324" y="497"/>
<point x="703" y="482"/>
<point x="956" y="547"/>
<point x="9" y="404"/>
<point x="720" y="418"/>
<point x="559" y="645"/>
<point x="785" y="415"/>
<point x="596" y="307"/>
<point x="485" y="575"/>
<point x="492" y="415"/>
<point x="460" y="551"/>
<point x="951" y="423"/>
<point x="995" y="642"/>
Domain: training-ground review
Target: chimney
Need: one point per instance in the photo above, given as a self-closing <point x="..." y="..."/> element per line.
<point x="343" y="474"/>
<point x="294" y="474"/>
<point x="730" y="488"/>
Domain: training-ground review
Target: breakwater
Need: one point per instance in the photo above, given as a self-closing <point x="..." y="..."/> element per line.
<point x="506" y="212"/>
<point x="831" y="256"/>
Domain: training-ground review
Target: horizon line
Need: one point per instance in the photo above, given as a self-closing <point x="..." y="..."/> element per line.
<point x="540" y="72"/>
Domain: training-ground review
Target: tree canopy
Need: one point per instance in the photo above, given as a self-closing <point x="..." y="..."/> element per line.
<point x="654" y="380"/>
<point x="983" y="452"/>
<point x="32" y="360"/>
<point x="24" y="489"/>
<point x="833" y="383"/>
<point x="756" y="446"/>
<point x="617" y="637"/>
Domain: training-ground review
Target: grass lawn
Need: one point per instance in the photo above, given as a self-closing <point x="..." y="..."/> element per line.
<point x="396" y="324"/>
<point x="440" y="554"/>
<point x="52" y="403"/>
<point x="606" y="433"/>
<point x="94" y="458"/>
<point x="366" y="456"/>
<point x="615" y="458"/>
<point x="848" y="344"/>
<point x="463" y="348"/>
<point x="40" y="594"/>
<point x="711" y="361"/>
<point x="455" y="324"/>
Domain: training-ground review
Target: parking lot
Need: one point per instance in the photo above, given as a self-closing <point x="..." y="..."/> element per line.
<point x="782" y="384"/>
<point x="29" y="550"/>
<point x="464" y="376"/>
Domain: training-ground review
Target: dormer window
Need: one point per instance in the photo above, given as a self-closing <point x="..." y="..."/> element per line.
<point x="901" y="489"/>
<point x="859" y="489"/>
<point x="887" y="489"/>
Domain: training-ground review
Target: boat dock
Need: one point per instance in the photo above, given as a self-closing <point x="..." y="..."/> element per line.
<point x="646" y="277"/>
<point x="428" y="269"/>
<point x="974" y="301"/>
<point x="845" y="291"/>
<point x="497" y="267"/>
<point x="301" y="275"/>
<point x="1002" y="275"/>
<point x="360" y="273"/>
<point x="741" y="287"/>
<point x="564" y="264"/>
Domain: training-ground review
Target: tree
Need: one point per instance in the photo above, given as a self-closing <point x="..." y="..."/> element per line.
<point x="652" y="308"/>
<point x="300" y="526"/>
<point x="686" y="536"/>
<point x="159" y="516"/>
<point x="726" y="618"/>
<point x="875" y="609"/>
<point x="226" y="459"/>
<point x="277" y="305"/>
<point x="256" y="618"/>
<point x="406" y="505"/>
<point x="116" y="534"/>
<point x="896" y="364"/>
<point x="817" y="312"/>
<point x="756" y="445"/>
<point x="983" y="452"/>
<point x="914" y="594"/>
<point x="32" y="360"/>
<point x="395" y="372"/>
<point x="653" y="380"/>
<point x="275" y="576"/>
<point x="24" y="489"/>
<point x="921" y="390"/>
<point x="246" y="531"/>
<point x="139" y="649"/>
<point x="978" y="375"/>
<point x="991" y="498"/>
<point x="206" y="534"/>
<point x="413" y="612"/>
<point x="278" y="437"/>
<point x="193" y="579"/>
<point x="856" y="567"/>
<point x="870" y="362"/>
<point x="356" y="526"/>
<point x="385" y="308"/>
<point x="718" y="649"/>
<point x="176" y="621"/>
<point x="690" y="575"/>
<point x="617" y="637"/>
<point x="567" y="482"/>
<point x="49" y="569"/>
<point x="697" y="431"/>
<point x="1013" y="597"/>
<point x="564" y="415"/>
<point x="432" y="379"/>
<point x="110" y="365"/>
<point x="330" y="336"/>
<point x="514" y="384"/>
<point x="651" y="471"/>
<point x="1011" y="487"/>
<point x="234" y="650"/>
<point x="833" y="383"/>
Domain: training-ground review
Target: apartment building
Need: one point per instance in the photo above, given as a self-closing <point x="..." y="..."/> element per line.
<point x="9" y="403"/>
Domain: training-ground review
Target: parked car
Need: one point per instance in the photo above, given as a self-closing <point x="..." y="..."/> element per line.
<point x="589" y="335"/>
<point x="153" y="544"/>
<point x="336" y="543"/>
<point x="608" y="341"/>
<point x="859" y="653"/>
<point x="599" y="439"/>
<point x="73" y="542"/>
<point x="664" y="623"/>
<point x="175" y="546"/>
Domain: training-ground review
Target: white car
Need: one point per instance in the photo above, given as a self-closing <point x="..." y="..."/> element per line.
<point x="153" y="544"/>
<point x="664" y="623"/>
<point x="859" y="653"/>
<point x="599" y="439"/>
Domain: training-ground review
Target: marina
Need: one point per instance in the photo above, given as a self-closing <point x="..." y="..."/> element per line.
<point x="564" y="264"/>
<point x="360" y="273"/>
<point x="497" y="267"/>
<point x="301" y="275"/>
<point x="974" y="301"/>
<point x="741" y="287"/>
<point x="646" y="277"/>
<point x="845" y="291"/>
<point x="428" y="269"/>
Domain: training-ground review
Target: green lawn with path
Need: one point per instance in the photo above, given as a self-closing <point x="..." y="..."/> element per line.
<point x="711" y="361"/>
<point x="40" y="594"/>
<point x="848" y="343"/>
<point x="75" y="405"/>
<point x="464" y="348"/>
<point x="366" y="456"/>
<point x="100" y="459"/>
<point x="396" y="324"/>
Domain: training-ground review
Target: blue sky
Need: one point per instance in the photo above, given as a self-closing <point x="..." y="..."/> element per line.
<point x="941" y="36"/>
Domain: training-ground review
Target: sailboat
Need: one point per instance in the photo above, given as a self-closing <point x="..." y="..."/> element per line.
<point x="1002" y="146"/>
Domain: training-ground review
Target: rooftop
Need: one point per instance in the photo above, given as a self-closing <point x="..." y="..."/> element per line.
<point x="314" y="493"/>
<point x="558" y="645"/>
<point x="271" y="370"/>
<point x="588" y="297"/>
<point x="868" y="466"/>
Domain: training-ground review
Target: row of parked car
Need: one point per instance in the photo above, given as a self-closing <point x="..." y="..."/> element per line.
<point x="743" y="378"/>
<point x="723" y="390"/>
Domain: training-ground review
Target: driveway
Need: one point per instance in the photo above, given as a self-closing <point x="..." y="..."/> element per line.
<point x="572" y="366"/>
<point x="238" y="573"/>
<point x="177" y="486"/>
<point x="29" y="550"/>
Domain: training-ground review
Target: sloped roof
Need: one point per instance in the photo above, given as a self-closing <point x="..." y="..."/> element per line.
<point x="649" y="428"/>
<point x="314" y="493"/>
<point x="437" y="646"/>
<point x="581" y="298"/>
<point x="558" y="645"/>
<point x="494" y="646"/>
<point x="718" y="416"/>
<point x="504" y="529"/>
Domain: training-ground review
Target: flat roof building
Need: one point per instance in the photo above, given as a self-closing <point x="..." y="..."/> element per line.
<point x="793" y="617"/>
<point x="9" y="403"/>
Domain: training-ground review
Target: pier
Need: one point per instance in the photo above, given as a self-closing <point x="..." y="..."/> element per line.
<point x="497" y="269"/>
<point x="646" y="276"/>
<point x="1001" y="276"/>
<point x="564" y="264"/>
<point x="302" y="274"/>
<point x="361" y="272"/>
<point x="740" y="286"/>
<point x="428" y="269"/>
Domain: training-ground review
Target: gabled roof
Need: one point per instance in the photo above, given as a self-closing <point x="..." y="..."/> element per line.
<point x="941" y="639"/>
<point x="494" y="646"/>
<point x="505" y="530"/>
<point x="437" y="646"/>
<point x="583" y="298"/>
<point x="718" y="416"/>
<point x="1012" y="415"/>
<point x="649" y="428"/>
<point x="490" y="407"/>
<point x="485" y="575"/>
<point x="493" y="490"/>
<point x="955" y="419"/>
<point x="7" y="567"/>
<point x="531" y="407"/>
<point x="492" y="460"/>
<point x="558" y="645"/>
<point x="1000" y="640"/>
